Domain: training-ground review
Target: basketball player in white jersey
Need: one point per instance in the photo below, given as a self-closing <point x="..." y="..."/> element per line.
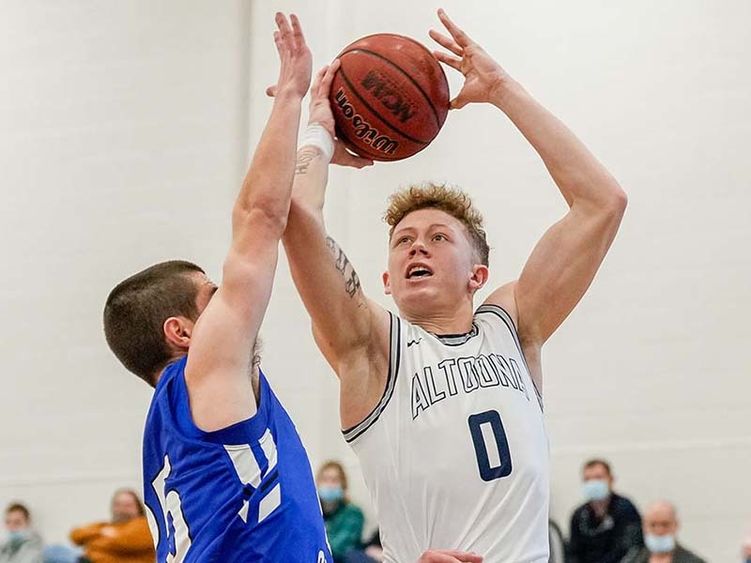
<point x="443" y="403"/>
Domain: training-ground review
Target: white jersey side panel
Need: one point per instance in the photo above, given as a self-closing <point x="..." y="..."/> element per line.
<point x="455" y="455"/>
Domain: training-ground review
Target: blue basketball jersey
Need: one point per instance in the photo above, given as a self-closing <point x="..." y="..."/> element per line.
<point x="242" y="494"/>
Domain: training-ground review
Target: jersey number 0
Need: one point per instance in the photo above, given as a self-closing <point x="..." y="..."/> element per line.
<point x="491" y="445"/>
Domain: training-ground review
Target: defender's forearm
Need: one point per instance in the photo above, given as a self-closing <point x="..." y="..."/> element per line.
<point x="578" y="174"/>
<point x="267" y="185"/>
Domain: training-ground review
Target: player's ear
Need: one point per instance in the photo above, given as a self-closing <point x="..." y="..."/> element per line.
<point x="479" y="277"/>
<point x="386" y="283"/>
<point x="177" y="332"/>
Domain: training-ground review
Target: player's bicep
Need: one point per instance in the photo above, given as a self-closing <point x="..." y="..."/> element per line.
<point x="560" y="269"/>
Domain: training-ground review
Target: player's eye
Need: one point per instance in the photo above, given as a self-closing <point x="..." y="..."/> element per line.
<point x="439" y="236"/>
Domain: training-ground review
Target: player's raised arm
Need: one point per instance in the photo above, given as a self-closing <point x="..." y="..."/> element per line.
<point x="346" y="325"/>
<point x="564" y="262"/>
<point x="220" y="358"/>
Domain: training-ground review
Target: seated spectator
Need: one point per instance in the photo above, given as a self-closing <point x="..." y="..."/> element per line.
<point x="661" y="546"/>
<point x="23" y="544"/>
<point x="608" y="525"/>
<point x="344" y="521"/>
<point x="125" y="539"/>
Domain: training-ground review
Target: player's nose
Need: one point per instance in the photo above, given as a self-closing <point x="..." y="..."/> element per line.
<point x="418" y="247"/>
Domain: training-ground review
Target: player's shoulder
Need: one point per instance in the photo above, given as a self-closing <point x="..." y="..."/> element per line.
<point x="504" y="298"/>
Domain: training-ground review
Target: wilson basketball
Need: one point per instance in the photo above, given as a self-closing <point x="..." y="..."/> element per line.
<point x="389" y="97"/>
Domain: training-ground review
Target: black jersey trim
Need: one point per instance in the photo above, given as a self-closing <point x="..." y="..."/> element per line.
<point x="501" y="313"/>
<point x="395" y="352"/>
<point x="458" y="339"/>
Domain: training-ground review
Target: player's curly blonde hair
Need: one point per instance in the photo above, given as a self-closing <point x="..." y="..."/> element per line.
<point x="439" y="196"/>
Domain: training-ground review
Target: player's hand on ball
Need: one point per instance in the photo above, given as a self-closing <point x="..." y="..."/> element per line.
<point x="483" y="77"/>
<point x="294" y="55"/>
<point x="320" y="112"/>
<point x="449" y="556"/>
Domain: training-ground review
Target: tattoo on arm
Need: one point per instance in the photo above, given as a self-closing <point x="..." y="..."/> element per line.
<point x="305" y="156"/>
<point x="344" y="266"/>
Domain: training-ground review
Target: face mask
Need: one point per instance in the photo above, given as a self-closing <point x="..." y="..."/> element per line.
<point x="328" y="493"/>
<point x="18" y="537"/>
<point x="659" y="544"/>
<point x="595" y="489"/>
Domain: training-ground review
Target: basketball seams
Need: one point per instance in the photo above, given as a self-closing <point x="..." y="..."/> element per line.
<point x="354" y="92"/>
<point x="406" y="74"/>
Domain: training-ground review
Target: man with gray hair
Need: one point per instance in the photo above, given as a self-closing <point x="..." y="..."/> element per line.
<point x="661" y="546"/>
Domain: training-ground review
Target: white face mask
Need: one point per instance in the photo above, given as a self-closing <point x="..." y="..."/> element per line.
<point x="595" y="489"/>
<point x="659" y="544"/>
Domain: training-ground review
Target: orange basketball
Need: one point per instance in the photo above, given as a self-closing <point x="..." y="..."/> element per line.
<point x="390" y="97"/>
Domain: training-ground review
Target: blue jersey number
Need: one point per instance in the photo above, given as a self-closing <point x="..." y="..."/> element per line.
<point x="178" y="533"/>
<point x="495" y="447"/>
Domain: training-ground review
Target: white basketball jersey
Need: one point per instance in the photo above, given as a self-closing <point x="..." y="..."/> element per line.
<point x="455" y="455"/>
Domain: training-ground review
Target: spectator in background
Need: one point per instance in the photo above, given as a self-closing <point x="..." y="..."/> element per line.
<point x="661" y="545"/>
<point x="23" y="544"/>
<point x="344" y="521"/>
<point x="125" y="539"/>
<point x="608" y="525"/>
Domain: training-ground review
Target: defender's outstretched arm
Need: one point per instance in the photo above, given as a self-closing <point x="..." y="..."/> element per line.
<point x="220" y="358"/>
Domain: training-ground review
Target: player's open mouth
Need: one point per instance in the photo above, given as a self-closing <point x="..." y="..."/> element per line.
<point x="416" y="271"/>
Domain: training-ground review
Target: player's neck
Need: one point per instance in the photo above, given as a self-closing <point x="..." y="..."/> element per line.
<point x="452" y="321"/>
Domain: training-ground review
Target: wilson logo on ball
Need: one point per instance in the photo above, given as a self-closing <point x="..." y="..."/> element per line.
<point x="389" y="97"/>
<point x="362" y="129"/>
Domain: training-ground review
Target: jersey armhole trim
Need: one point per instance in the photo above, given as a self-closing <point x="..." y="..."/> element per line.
<point x="501" y="313"/>
<point x="395" y="329"/>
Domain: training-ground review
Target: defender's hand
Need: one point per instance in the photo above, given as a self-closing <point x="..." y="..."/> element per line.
<point x="483" y="77"/>
<point x="297" y="62"/>
<point x="320" y="112"/>
<point x="449" y="556"/>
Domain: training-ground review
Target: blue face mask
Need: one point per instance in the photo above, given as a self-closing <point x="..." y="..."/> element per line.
<point x="659" y="544"/>
<point x="17" y="537"/>
<point x="329" y="493"/>
<point x="595" y="489"/>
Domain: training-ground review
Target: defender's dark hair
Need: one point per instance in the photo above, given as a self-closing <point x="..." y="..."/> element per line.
<point x="136" y="309"/>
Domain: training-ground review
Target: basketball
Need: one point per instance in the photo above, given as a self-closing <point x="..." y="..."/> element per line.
<point x="389" y="97"/>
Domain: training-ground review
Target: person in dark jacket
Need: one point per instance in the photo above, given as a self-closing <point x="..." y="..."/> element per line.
<point x="661" y="545"/>
<point x="608" y="525"/>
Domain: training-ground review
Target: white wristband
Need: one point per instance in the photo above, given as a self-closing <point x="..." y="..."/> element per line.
<point x="316" y="135"/>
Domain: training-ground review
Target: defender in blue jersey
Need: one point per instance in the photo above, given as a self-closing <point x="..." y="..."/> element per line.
<point x="226" y="476"/>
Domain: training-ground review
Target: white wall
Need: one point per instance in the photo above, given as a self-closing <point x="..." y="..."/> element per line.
<point x="124" y="136"/>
